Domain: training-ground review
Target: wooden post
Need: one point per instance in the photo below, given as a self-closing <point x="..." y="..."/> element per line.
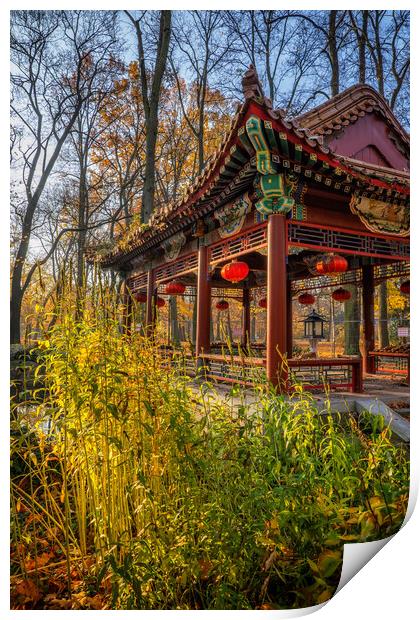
<point x="246" y="318"/>
<point x="276" y="302"/>
<point x="368" y="287"/>
<point x="150" y="314"/>
<point x="289" y="319"/>
<point x="202" y="342"/>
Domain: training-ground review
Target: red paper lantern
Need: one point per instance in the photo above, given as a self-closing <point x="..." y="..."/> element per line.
<point x="235" y="271"/>
<point x="405" y="287"/>
<point x="160" y="302"/>
<point x="175" y="288"/>
<point x="222" y="304"/>
<point x="140" y="297"/>
<point x="333" y="263"/>
<point x="306" y="299"/>
<point x="263" y="302"/>
<point x="341" y="294"/>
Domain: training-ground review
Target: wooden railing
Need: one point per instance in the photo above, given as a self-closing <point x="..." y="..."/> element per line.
<point x="237" y="369"/>
<point x="342" y="373"/>
<point x="317" y="373"/>
<point x="313" y="374"/>
<point x="393" y="363"/>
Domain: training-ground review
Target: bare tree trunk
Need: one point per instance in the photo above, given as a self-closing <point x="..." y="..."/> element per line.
<point x="383" y="315"/>
<point x="333" y="53"/>
<point x="81" y="235"/>
<point x="211" y="327"/>
<point x="332" y="326"/>
<point x="151" y="102"/>
<point x="361" y="34"/>
<point x="194" y="320"/>
<point x="362" y="48"/>
<point x="48" y="98"/>
<point x="229" y="326"/>
<point x="173" y="310"/>
<point x="352" y="323"/>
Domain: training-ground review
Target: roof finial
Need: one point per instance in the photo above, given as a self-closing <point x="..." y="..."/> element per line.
<point x="251" y="85"/>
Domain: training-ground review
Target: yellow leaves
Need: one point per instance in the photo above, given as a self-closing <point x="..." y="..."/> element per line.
<point x="349" y="537"/>
<point x="368" y="526"/>
<point x="63" y="493"/>
<point x="133" y="71"/>
<point x="328" y="562"/>
<point x="376" y="503"/>
<point x="273" y="524"/>
<point x="324" y="596"/>
<point x="89" y="602"/>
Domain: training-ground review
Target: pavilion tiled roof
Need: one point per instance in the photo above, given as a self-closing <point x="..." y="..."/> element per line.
<point x="231" y="168"/>
<point x="346" y="108"/>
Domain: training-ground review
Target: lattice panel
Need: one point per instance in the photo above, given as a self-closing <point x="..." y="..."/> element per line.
<point x="381" y="272"/>
<point x="325" y="239"/>
<point x="184" y="362"/>
<point x="253" y="239"/>
<point x="394" y="270"/>
<point x="320" y="282"/>
<point x="231" y="372"/>
<point x="391" y="364"/>
<point x="182" y="265"/>
<point x="227" y="293"/>
<point x="137" y="282"/>
<point x="319" y="376"/>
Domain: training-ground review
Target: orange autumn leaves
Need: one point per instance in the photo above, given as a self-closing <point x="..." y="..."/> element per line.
<point x="119" y="154"/>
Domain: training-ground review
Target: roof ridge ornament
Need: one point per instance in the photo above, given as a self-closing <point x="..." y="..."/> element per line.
<point x="251" y="85"/>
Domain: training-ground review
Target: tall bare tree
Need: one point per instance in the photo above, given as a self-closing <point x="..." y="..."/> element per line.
<point x="151" y="84"/>
<point x="56" y="56"/>
<point x="202" y="49"/>
<point x="263" y="39"/>
<point x="359" y="24"/>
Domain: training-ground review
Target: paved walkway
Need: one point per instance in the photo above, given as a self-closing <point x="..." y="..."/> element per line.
<point x="383" y="395"/>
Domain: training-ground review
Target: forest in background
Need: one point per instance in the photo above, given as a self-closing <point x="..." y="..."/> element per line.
<point x="114" y="113"/>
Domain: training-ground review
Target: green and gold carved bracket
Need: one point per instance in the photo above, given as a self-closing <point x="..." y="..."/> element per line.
<point x="258" y="140"/>
<point x="276" y="196"/>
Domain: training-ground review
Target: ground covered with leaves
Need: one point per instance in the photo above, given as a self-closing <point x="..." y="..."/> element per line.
<point x="133" y="490"/>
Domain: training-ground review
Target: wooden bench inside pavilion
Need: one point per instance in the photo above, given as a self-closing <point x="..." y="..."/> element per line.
<point x="285" y="206"/>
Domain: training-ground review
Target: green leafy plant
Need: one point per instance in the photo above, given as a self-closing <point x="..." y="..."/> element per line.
<point x="169" y="496"/>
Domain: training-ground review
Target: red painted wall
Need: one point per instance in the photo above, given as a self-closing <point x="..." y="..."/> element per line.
<point x="367" y="139"/>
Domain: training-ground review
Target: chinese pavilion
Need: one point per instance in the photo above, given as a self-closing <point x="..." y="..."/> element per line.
<point x="285" y="204"/>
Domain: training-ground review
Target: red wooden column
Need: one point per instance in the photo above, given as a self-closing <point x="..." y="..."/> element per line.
<point x="246" y="318"/>
<point x="150" y="314"/>
<point x="289" y="319"/>
<point x="368" y="290"/>
<point x="202" y="342"/>
<point x="276" y="301"/>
